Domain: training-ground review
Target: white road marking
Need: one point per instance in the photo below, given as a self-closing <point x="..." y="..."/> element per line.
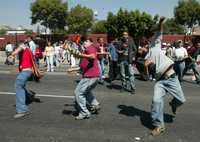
<point x="40" y="95"/>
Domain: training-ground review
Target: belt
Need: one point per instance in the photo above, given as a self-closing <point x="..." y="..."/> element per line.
<point x="165" y="77"/>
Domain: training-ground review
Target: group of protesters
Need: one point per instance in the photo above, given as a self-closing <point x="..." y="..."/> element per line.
<point x="116" y="60"/>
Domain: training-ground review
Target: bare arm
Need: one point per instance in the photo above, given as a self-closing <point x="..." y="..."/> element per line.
<point x="14" y="53"/>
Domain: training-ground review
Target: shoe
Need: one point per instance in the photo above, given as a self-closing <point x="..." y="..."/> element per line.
<point x="81" y="117"/>
<point x="157" y="131"/>
<point x="132" y="92"/>
<point x="20" y="115"/>
<point x="95" y="109"/>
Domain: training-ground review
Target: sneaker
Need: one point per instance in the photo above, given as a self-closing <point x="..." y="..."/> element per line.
<point x="132" y="92"/>
<point x="157" y="131"/>
<point x="95" y="108"/>
<point x="81" y="117"/>
<point x="20" y="115"/>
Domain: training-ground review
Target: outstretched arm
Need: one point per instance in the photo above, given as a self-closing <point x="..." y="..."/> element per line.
<point x="162" y="19"/>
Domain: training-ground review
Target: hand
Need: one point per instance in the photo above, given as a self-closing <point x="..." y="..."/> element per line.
<point x="162" y="19"/>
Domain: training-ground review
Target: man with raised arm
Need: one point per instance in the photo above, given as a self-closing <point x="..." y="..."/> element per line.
<point x="167" y="82"/>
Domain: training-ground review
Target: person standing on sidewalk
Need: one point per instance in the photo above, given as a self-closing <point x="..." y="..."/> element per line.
<point x="25" y="72"/>
<point x="167" y="82"/>
<point x="49" y="53"/>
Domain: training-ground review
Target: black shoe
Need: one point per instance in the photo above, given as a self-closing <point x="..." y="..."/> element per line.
<point x="174" y="105"/>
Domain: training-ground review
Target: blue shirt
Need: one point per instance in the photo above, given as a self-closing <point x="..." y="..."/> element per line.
<point x="113" y="52"/>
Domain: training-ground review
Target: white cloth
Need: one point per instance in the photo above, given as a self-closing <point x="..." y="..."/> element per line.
<point x="9" y="48"/>
<point x="180" y="53"/>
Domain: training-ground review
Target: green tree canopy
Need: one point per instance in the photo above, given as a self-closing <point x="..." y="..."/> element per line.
<point x="187" y="13"/>
<point x="99" y="27"/>
<point x="50" y="13"/>
<point x="171" y="27"/>
<point x="80" y="19"/>
<point x="136" y="23"/>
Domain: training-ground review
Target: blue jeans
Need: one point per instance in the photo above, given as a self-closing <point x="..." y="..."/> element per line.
<point x="101" y="68"/>
<point x="83" y="94"/>
<point x="127" y="72"/>
<point x="161" y="88"/>
<point x="20" y="85"/>
<point x="179" y="67"/>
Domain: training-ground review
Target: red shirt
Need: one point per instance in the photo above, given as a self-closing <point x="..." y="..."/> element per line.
<point x="90" y="67"/>
<point x="25" y="60"/>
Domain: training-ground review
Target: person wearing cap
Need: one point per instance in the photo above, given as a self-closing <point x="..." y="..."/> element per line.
<point x="169" y="51"/>
<point x="180" y="54"/>
<point x="167" y="82"/>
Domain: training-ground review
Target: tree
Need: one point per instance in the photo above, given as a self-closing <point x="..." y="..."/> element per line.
<point x="80" y="19"/>
<point x="2" y="31"/>
<point x="187" y="13"/>
<point x="171" y="27"/>
<point x="50" y="13"/>
<point x="136" y="23"/>
<point x="99" y="27"/>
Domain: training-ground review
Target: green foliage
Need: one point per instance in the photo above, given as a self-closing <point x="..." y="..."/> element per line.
<point x="187" y="13"/>
<point x="2" y="31"/>
<point x="80" y="19"/>
<point x="171" y="27"/>
<point x="136" y="23"/>
<point x="99" y="27"/>
<point x="50" y="13"/>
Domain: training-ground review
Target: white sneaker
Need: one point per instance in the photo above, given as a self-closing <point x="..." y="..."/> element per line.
<point x="20" y="115"/>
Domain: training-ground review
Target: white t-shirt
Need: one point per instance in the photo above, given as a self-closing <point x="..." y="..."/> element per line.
<point x="9" y="48"/>
<point x="180" y="53"/>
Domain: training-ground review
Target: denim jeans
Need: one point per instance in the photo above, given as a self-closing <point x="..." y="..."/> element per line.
<point x="101" y="68"/>
<point x="84" y="95"/>
<point x="179" y="67"/>
<point x="161" y="88"/>
<point x="20" y="85"/>
<point x="50" y="66"/>
<point x="127" y="72"/>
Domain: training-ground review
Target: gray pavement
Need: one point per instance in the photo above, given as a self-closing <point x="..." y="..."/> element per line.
<point x="123" y="117"/>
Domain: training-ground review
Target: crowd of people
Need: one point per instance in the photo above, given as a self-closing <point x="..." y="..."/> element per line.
<point x="165" y="63"/>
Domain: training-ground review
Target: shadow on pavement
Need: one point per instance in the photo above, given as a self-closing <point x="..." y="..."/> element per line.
<point x="145" y="117"/>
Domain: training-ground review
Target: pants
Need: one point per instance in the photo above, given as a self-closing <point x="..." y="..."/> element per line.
<point x="161" y="88"/>
<point x="50" y="66"/>
<point x="192" y="66"/>
<point x="102" y="69"/>
<point x="83" y="94"/>
<point x="20" y="85"/>
<point x="127" y="72"/>
<point x="179" y="67"/>
<point x="113" y="70"/>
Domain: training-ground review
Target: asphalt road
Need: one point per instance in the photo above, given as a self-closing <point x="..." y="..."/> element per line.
<point x="123" y="117"/>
